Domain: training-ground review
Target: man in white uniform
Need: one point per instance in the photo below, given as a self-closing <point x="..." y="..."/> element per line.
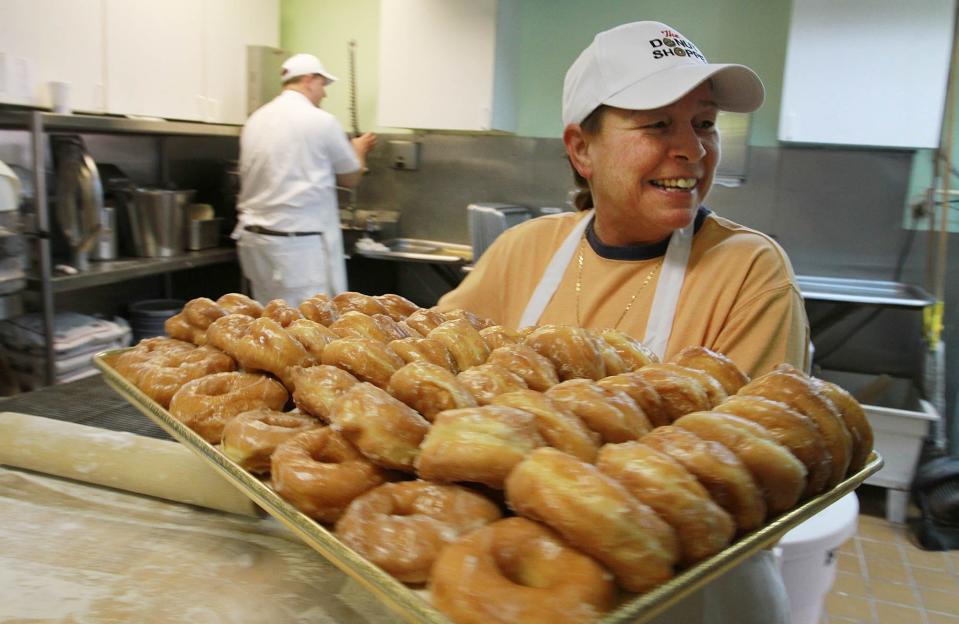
<point x="293" y="155"/>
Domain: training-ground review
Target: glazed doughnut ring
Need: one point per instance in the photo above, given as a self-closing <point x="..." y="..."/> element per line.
<point x="780" y="476"/>
<point x="402" y="527"/>
<point x="429" y="389"/>
<point x="316" y="388"/>
<point x="251" y="437"/>
<point x="610" y="413"/>
<point x="281" y="312"/>
<point x="486" y="381"/>
<point x="643" y="393"/>
<point x="537" y="371"/>
<point x="206" y="404"/>
<point x="796" y="431"/>
<point x="719" y="470"/>
<point x="574" y="351"/>
<point x="517" y="570"/>
<point x="397" y="307"/>
<point x="680" y="393"/>
<point x="854" y="417"/>
<point x="633" y="352"/>
<point x="424" y="349"/>
<point x="320" y="473"/>
<point x="560" y="428"/>
<point x="723" y="369"/>
<point x="661" y="482"/>
<point x="596" y="514"/>
<point x="161" y="377"/>
<point x="384" y="429"/>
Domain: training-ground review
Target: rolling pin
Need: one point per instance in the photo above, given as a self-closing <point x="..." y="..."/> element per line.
<point x="117" y="459"/>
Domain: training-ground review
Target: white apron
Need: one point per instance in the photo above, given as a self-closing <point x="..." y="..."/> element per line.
<point x="752" y="593"/>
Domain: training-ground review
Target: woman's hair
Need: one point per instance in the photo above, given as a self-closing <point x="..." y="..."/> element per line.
<point x="591" y="125"/>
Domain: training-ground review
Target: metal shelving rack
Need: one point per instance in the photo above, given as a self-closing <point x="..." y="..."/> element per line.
<point x="39" y="124"/>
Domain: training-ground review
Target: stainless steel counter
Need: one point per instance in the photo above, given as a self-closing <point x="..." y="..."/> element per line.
<point x="861" y="291"/>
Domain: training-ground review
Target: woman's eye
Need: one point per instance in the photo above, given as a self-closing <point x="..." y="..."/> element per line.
<point x="707" y="124"/>
<point x="656" y="124"/>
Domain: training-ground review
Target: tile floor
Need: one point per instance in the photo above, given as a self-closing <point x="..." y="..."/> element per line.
<point x="883" y="577"/>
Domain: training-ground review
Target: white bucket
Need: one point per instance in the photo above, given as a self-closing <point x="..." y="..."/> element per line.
<point x="808" y="557"/>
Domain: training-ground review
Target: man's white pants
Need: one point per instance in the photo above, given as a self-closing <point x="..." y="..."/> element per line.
<point x="292" y="268"/>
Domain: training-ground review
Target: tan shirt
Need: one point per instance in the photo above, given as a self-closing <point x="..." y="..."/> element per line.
<point x="739" y="296"/>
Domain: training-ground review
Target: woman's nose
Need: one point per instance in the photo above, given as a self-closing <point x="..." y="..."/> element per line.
<point x="687" y="144"/>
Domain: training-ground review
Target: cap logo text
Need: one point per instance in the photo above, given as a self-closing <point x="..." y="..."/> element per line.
<point x="672" y="44"/>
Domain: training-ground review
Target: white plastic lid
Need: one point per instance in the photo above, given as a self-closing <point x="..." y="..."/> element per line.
<point x="826" y="530"/>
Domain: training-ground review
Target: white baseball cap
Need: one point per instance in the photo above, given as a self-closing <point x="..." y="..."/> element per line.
<point x="646" y="65"/>
<point x="304" y="65"/>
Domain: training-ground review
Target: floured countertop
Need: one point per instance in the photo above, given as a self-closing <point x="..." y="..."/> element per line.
<point x="71" y="552"/>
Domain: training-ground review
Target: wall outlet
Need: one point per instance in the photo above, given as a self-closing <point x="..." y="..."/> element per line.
<point x="404" y="155"/>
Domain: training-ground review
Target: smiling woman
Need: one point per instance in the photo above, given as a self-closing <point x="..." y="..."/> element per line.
<point x="643" y="254"/>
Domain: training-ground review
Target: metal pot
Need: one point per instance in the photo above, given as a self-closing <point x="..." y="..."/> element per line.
<point x="157" y="221"/>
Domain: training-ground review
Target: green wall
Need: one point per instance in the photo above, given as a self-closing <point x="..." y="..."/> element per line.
<point x="553" y="32"/>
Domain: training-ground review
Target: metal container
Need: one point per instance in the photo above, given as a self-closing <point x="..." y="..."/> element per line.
<point x="203" y="233"/>
<point x="106" y="245"/>
<point x="158" y="221"/>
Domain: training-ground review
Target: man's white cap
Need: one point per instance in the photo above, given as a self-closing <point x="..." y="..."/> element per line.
<point x="646" y="65"/>
<point x="304" y="65"/>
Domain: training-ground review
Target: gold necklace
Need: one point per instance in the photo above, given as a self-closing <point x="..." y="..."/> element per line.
<point x="579" y="285"/>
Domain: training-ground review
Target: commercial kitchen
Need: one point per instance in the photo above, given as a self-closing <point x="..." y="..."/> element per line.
<point x="120" y="124"/>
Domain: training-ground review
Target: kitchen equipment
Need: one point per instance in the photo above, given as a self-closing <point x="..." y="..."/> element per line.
<point x="106" y="244"/>
<point x="79" y="207"/>
<point x="158" y="221"/>
<point x="13" y="255"/>
<point x="263" y="65"/>
<point x="487" y="221"/>
<point x="203" y="233"/>
<point x="148" y="316"/>
<point x="415" y="606"/>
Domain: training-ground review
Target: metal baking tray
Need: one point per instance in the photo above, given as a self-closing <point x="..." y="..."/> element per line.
<point x="413" y="604"/>
<point x="419" y="250"/>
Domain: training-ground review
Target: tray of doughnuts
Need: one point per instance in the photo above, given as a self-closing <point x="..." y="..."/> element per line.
<point x="467" y="472"/>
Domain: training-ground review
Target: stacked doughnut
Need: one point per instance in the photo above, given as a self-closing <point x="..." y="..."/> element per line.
<point x="413" y="432"/>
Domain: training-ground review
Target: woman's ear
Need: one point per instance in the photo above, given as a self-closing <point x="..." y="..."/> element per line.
<point x="577" y="143"/>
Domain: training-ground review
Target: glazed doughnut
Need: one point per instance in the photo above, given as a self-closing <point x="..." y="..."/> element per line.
<point x="201" y="312"/>
<point x="425" y="320"/>
<point x="349" y="300"/>
<point x="319" y="309"/>
<point x="313" y="336"/>
<point x="236" y="303"/>
<point x="573" y="351"/>
<point x="316" y="388"/>
<point x="424" y="350"/>
<point x="715" y="392"/>
<point x="320" y="473"/>
<point x="368" y="360"/>
<point x="497" y="336"/>
<point x="477" y="322"/>
<point x="681" y="394"/>
<point x="794" y="430"/>
<point x="402" y="527"/>
<point x="537" y="371"/>
<point x="517" y="570"/>
<point x="643" y="393"/>
<point x="723" y="369"/>
<point x="477" y="444"/>
<point x="560" y="428"/>
<point x="164" y="374"/>
<point x="855" y="418"/>
<point x="488" y="380"/>
<point x="384" y="429"/>
<point x="780" y="476"/>
<point x="225" y="332"/>
<point x="394" y="330"/>
<point x="612" y="360"/>
<point x="178" y="328"/>
<point x="597" y="515"/>
<point x="206" y="404"/>
<point x="719" y="470"/>
<point x="656" y="479"/>
<point x="796" y="390"/>
<point x="266" y="346"/>
<point x="633" y="352"/>
<point x="429" y="389"/>
<point x="131" y="362"/>
<point x="396" y="307"/>
<point x="251" y="437"/>
<point x="463" y="342"/>
<point x="281" y="312"/>
<point x="353" y="324"/>
<point x="610" y="413"/>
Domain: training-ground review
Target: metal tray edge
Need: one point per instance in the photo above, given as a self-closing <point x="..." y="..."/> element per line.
<point x="402" y="599"/>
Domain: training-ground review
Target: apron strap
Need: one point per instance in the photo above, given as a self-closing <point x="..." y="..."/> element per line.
<point x="553" y="274"/>
<point x="661" y="315"/>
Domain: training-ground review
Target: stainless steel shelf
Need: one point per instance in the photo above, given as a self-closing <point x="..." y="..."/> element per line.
<point x="112" y="271"/>
<point x="105" y="124"/>
<point x="861" y="291"/>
